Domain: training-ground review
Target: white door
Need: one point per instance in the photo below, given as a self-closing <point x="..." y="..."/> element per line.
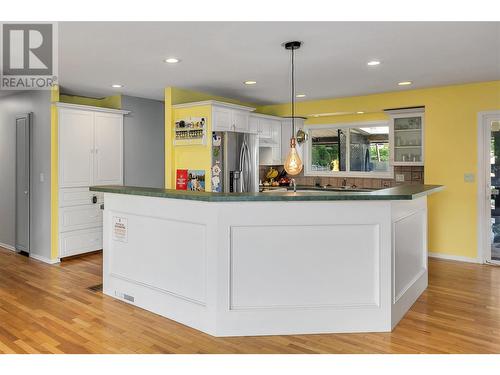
<point x="489" y="187"/>
<point x="76" y="144"/>
<point x="23" y="161"/>
<point x="108" y="151"/>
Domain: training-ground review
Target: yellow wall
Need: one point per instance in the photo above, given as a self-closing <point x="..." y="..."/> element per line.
<point x="54" y="175"/>
<point x="450" y="149"/>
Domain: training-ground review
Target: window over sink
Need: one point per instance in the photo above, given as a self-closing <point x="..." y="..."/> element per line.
<point x="349" y="150"/>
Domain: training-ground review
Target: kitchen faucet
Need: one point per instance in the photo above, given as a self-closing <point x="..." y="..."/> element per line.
<point x="294" y="184"/>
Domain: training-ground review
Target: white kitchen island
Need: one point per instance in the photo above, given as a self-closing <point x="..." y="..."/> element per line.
<point x="267" y="264"/>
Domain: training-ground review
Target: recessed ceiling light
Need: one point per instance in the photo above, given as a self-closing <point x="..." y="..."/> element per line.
<point x="373" y="63"/>
<point x="405" y="83"/>
<point x="172" y="60"/>
<point x="116" y="86"/>
<point x="300" y="95"/>
<point x="360" y="112"/>
<point x="250" y="82"/>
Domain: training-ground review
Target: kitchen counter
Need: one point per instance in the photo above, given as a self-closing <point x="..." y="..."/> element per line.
<point x="268" y="263"/>
<point x="403" y="192"/>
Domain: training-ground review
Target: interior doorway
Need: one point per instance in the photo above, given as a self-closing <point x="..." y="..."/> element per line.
<point x="23" y="161"/>
<point x="489" y="187"/>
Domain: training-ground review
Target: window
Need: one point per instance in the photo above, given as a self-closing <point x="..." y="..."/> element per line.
<point x="360" y="150"/>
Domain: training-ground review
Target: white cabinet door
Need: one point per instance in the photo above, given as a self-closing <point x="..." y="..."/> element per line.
<point x="76" y="144"/>
<point x="253" y="125"/>
<point x="265" y="128"/>
<point x="108" y="154"/>
<point x="240" y="121"/>
<point x="221" y="119"/>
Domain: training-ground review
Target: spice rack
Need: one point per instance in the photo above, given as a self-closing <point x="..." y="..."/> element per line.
<point x="190" y="131"/>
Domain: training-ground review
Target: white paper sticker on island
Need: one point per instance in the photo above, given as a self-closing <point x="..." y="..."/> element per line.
<point x="120" y="229"/>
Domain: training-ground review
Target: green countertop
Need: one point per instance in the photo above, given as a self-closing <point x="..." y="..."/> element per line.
<point x="402" y="192"/>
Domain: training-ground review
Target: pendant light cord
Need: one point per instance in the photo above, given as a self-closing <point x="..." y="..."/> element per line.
<point x="293" y="93"/>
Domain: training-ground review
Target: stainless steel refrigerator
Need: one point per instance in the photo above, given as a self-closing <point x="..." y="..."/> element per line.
<point x="239" y="162"/>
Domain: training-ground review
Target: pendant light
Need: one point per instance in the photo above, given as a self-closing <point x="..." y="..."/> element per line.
<point x="293" y="164"/>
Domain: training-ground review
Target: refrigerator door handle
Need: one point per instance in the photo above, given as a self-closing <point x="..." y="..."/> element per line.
<point x="247" y="169"/>
<point x="241" y="168"/>
<point x="244" y="167"/>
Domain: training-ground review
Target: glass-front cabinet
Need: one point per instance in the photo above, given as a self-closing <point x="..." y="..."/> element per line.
<point x="408" y="127"/>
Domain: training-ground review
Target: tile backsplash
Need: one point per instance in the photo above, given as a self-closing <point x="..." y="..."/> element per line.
<point x="413" y="175"/>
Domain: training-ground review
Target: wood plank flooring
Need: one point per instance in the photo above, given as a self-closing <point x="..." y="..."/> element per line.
<point x="49" y="309"/>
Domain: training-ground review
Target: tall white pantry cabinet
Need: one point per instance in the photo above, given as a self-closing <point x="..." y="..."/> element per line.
<point x="90" y="153"/>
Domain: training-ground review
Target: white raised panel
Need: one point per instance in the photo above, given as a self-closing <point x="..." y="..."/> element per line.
<point x="177" y="248"/>
<point x="79" y="217"/>
<point x="78" y="196"/>
<point x="81" y="241"/>
<point x="240" y="120"/>
<point x="265" y="128"/>
<point x="410" y="254"/>
<point x="253" y="124"/>
<point x="76" y="144"/>
<point x="341" y="273"/>
<point x="221" y="119"/>
<point x="108" y="160"/>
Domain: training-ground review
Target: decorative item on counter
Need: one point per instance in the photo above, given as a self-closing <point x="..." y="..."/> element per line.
<point x="216" y="171"/>
<point x="283" y="179"/>
<point x="181" y="179"/>
<point x="196" y="180"/>
<point x="271" y="174"/>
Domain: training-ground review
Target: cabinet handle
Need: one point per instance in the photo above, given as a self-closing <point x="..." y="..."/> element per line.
<point x="94" y="199"/>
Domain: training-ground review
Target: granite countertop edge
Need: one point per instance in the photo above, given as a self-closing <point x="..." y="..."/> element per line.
<point x="402" y="192"/>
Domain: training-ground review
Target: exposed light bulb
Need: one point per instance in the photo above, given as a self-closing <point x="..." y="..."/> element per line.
<point x="293" y="163"/>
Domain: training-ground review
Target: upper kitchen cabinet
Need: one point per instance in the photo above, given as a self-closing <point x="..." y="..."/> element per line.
<point x="268" y="129"/>
<point x="408" y="138"/>
<point x="229" y="117"/>
<point x="90" y="146"/>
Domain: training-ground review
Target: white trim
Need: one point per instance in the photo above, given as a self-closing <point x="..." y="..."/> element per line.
<point x="405" y="111"/>
<point x="91" y="108"/>
<point x="457" y="258"/>
<point x="354" y="174"/>
<point x="8" y="247"/>
<point x="214" y="102"/>
<point x="483" y="184"/>
<point x="44" y="259"/>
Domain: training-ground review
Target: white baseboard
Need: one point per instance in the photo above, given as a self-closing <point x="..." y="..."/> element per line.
<point x="457" y="258"/>
<point x="8" y="247"/>
<point x="43" y="259"/>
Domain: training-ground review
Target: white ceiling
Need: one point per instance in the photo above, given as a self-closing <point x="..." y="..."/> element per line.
<point x="217" y="57"/>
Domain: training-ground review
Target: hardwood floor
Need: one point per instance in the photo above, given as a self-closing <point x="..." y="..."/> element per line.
<point x="49" y="309"/>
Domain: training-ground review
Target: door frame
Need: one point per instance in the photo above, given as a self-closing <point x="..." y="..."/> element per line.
<point x="484" y="184"/>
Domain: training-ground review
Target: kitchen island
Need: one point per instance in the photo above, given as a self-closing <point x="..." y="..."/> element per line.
<point x="268" y="263"/>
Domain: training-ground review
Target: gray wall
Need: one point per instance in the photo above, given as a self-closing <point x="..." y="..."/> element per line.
<point x="144" y="142"/>
<point x="37" y="102"/>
